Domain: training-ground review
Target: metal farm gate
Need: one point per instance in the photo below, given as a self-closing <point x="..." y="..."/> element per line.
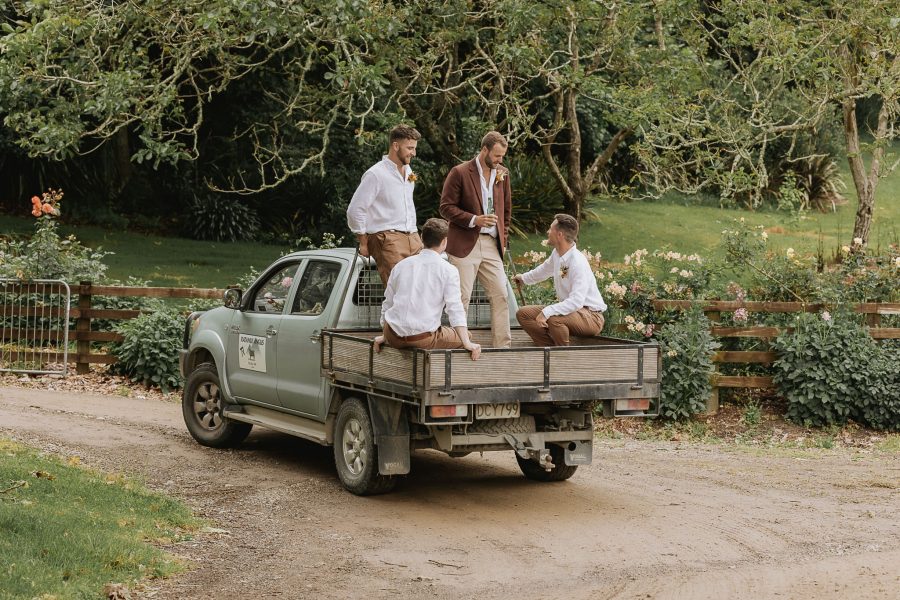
<point x="34" y="326"/>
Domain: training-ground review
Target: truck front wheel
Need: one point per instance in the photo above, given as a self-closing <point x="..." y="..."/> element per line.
<point x="201" y="406"/>
<point x="355" y="452"/>
<point x="560" y="471"/>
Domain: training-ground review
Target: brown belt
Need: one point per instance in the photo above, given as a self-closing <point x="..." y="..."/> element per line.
<point x="412" y="338"/>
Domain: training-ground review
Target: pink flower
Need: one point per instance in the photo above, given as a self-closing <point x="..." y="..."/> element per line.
<point x="826" y="316"/>
<point x="740" y="315"/>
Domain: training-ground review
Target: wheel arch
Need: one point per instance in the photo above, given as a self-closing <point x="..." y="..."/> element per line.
<point x="390" y="424"/>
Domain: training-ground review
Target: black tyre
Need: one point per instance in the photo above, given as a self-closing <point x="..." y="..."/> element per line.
<point x="202" y="404"/>
<point x="355" y="452"/>
<point x="560" y="471"/>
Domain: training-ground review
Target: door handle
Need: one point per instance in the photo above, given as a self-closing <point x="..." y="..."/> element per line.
<point x="316" y="336"/>
<point x="271" y="331"/>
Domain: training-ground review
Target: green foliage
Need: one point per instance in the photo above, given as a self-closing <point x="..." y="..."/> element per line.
<point x="68" y="530"/>
<point x="687" y="348"/>
<point x="536" y="195"/>
<point x="830" y="370"/>
<point x="149" y="353"/>
<point x="141" y="303"/>
<point x="221" y="219"/>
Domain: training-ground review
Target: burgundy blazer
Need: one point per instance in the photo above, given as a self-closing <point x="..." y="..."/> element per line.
<point x="461" y="200"/>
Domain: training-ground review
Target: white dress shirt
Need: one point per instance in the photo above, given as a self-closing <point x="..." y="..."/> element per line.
<point x="383" y="200"/>
<point x="418" y="291"/>
<point x="577" y="289"/>
<point x="487" y="197"/>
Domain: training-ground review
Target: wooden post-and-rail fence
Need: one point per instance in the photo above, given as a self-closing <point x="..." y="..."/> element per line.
<point x="873" y="311"/>
<point x="83" y="315"/>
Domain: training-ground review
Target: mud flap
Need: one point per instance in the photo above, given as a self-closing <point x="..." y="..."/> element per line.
<point x="391" y="435"/>
<point x="581" y="454"/>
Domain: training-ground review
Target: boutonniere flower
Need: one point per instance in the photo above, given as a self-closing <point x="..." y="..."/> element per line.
<point x="563" y="272"/>
<point x="412" y="178"/>
<point x="501" y="177"/>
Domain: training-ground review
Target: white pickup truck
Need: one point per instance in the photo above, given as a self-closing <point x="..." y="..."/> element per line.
<point x="294" y="353"/>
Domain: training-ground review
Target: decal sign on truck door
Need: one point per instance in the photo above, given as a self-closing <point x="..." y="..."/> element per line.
<point x="252" y="352"/>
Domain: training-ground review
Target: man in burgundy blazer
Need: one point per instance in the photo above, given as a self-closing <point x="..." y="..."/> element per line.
<point x="477" y="201"/>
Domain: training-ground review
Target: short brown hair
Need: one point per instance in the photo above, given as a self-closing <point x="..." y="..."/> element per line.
<point x="568" y="225"/>
<point x="404" y="132"/>
<point x="492" y="138"/>
<point x="433" y="232"/>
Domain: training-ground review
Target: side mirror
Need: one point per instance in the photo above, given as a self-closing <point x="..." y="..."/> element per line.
<point x="232" y="298"/>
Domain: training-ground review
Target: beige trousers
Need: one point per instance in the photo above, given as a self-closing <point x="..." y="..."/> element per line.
<point x="444" y="337"/>
<point x="390" y="247"/>
<point x="485" y="264"/>
<point x="582" y="322"/>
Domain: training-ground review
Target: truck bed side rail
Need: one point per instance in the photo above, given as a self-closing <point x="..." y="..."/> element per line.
<point x="612" y="368"/>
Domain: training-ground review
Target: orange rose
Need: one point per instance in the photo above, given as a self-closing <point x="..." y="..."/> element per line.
<point x="35" y="200"/>
<point x="36" y="211"/>
<point x="46" y="208"/>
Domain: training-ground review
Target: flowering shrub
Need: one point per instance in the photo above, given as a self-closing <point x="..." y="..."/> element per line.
<point x="687" y="347"/>
<point x="47" y="255"/>
<point x="830" y="370"/>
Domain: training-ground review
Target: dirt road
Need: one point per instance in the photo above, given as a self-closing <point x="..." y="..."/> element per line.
<point x="647" y="520"/>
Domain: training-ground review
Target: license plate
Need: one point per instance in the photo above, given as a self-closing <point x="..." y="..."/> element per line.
<point x="507" y="410"/>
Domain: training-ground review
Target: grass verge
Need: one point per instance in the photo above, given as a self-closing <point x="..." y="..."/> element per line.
<point x="66" y="531"/>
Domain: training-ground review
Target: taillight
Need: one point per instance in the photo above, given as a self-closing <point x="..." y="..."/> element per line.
<point x="633" y="404"/>
<point x="449" y="410"/>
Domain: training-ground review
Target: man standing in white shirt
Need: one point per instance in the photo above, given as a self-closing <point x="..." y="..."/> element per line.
<point x="381" y="212"/>
<point x="420" y="288"/>
<point x="477" y="200"/>
<point x="580" y="307"/>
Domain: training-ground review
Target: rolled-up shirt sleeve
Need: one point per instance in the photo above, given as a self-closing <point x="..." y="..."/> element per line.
<point x="360" y="203"/>
<point x="453" y="299"/>
<point x="539" y="273"/>
<point x="575" y="301"/>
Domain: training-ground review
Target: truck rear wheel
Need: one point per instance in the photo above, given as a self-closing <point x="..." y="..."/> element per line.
<point x="355" y="452"/>
<point x="560" y="471"/>
<point x="201" y="406"/>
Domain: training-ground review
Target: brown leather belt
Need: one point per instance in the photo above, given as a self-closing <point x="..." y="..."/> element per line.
<point x="412" y="338"/>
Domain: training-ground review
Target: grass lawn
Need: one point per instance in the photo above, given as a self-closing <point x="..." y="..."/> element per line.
<point x="165" y="261"/>
<point x="685" y="227"/>
<point x="673" y="223"/>
<point x="66" y="531"/>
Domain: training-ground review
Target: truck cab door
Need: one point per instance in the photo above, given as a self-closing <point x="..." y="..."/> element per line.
<point x="251" y="355"/>
<point x="314" y="305"/>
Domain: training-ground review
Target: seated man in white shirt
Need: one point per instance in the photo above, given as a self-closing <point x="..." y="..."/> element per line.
<point x="580" y="307"/>
<point x="418" y="291"/>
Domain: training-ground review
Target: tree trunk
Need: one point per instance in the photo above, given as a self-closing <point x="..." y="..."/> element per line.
<point x="865" y="183"/>
<point x="575" y="204"/>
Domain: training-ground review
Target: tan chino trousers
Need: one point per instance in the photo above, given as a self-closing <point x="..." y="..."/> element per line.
<point x="485" y="264"/>
<point x="390" y="247"/>
<point x="582" y="322"/>
<point x="444" y="337"/>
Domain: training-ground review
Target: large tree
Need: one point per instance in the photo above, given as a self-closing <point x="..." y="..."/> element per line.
<point x="767" y="74"/>
<point x="77" y="74"/>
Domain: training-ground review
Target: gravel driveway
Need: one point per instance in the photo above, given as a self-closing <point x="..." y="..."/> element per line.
<point x="646" y="520"/>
